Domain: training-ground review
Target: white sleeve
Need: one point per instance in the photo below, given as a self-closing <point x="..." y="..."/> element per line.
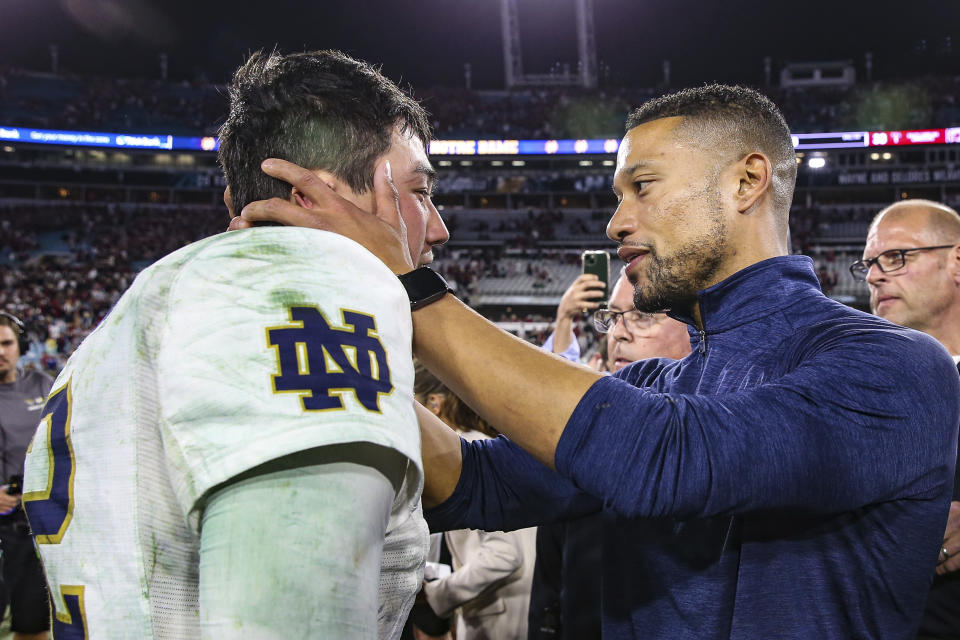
<point x="493" y="557"/>
<point x="279" y="340"/>
<point x="294" y="553"/>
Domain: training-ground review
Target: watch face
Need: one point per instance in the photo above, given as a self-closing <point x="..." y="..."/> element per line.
<point x="424" y="285"/>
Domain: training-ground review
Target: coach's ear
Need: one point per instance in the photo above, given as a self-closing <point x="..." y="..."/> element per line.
<point x="754" y="175"/>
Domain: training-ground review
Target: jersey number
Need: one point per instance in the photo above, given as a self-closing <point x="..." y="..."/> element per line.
<point x="51" y="510"/>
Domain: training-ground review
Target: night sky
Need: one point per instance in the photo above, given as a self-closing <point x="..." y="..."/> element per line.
<point x="426" y="42"/>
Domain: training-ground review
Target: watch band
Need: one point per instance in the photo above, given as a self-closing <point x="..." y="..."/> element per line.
<point x="424" y="285"/>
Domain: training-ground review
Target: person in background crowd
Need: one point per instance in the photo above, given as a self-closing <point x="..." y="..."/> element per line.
<point x="423" y="623"/>
<point x="565" y="597"/>
<point x="488" y="592"/>
<point x="22" y="395"/>
<point x="911" y="263"/>
<point x="640" y="335"/>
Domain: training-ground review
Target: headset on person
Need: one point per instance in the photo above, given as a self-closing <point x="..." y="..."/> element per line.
<point x="20" y="329"/>
<point x="14" y="482"/>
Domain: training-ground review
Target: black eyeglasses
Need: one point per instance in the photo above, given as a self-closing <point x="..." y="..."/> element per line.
<point x="888" y="261"/>
<point x="604" y="320"/>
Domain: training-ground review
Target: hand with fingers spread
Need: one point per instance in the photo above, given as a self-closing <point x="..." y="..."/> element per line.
<point x="581" y="297"/>
<point x="316" y="205"/>
<point x="949" y="558"/>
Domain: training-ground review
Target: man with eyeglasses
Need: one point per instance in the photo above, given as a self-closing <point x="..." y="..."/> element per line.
<point x="911" y="263"/>
<point x="637" y="335"/>
<point x="631" y="335"/>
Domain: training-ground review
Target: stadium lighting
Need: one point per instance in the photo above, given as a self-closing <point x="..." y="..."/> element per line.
<point x="817" y="163"/>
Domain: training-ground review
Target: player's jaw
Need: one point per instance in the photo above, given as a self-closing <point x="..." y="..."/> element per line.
<point x="425" y="258"/>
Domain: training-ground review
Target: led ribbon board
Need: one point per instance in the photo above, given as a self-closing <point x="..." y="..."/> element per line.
<point x="165" y="142"/>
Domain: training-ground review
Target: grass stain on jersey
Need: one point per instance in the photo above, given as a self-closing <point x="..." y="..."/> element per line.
<point x="286" y="297"/>
<point x="265" y="249"/>
<point x="154" y="554"/>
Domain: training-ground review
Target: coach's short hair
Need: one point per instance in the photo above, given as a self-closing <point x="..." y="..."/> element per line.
<point x="732" y="118"/>
<point x="318" y="109"/>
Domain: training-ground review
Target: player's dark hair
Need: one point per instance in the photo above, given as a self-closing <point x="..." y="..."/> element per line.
<point x="318" y="109"/>
<point x="730" y="115"/>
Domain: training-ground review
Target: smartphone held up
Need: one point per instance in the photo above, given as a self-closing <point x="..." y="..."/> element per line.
<point x="598" y="263"/>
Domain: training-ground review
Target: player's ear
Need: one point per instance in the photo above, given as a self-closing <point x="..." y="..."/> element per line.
<point x="328" y="178"/>
<point x="228" y="200"/>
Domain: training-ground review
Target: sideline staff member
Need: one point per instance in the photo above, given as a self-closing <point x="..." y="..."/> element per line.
<point x="911" y="263"/>
<point x="21" y="399"/>
<point x="790" y="479"/>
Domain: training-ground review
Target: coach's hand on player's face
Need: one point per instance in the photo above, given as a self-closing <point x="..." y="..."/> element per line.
<point x="319" y="207"/>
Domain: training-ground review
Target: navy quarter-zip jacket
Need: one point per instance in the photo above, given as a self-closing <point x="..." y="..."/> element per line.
<point x="790" y="478"/>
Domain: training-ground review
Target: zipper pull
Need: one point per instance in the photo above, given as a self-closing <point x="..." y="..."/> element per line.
<point x="702" y="348"/>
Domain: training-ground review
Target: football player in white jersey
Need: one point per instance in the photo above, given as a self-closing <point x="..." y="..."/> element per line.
<point x="234" y="452"/>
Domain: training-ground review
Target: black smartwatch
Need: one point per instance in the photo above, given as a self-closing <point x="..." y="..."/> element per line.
<point x="424" y="285"/>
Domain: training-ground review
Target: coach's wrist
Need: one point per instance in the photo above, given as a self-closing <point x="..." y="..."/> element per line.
<point x="424" y="286"/>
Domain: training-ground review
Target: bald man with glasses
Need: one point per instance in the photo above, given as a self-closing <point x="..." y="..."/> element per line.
<point x="911" y="263"/>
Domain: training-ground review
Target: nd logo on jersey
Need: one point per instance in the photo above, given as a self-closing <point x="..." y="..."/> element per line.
<point x="321" y="362"/>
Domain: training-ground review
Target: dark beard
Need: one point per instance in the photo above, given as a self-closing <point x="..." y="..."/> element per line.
<point x="673" y="281"/>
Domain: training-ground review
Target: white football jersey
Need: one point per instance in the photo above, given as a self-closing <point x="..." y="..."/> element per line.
<point x="229" y="353"/>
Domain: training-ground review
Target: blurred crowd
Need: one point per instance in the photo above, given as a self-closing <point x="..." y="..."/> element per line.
<point x="63" y="265"/>
<point x="66" y="101"/>
<point x="137" y="105"/>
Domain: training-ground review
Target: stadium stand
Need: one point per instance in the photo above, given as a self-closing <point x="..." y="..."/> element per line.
<point x="31" y="98"/>
<point x="77" y="224"/>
